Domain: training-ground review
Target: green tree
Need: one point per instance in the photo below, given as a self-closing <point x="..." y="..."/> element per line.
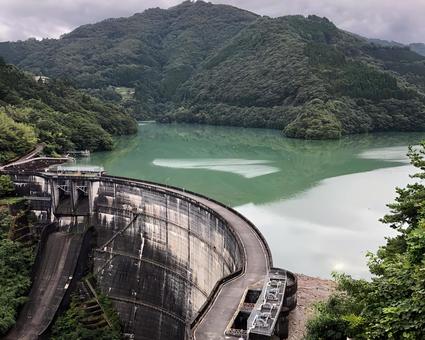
<point x="15" y="138"/>
<point x="6" y="185"/>
<point x="73" y="323"/>
<point x="16" y="260"/>
<point x="392" y="304"/>
<point x="55" y="113"/>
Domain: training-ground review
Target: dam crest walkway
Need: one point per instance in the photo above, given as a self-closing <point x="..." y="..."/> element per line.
<point x="213" y="322"/>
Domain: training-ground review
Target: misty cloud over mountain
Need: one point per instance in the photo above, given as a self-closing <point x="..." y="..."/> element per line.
<point x="385" y="19"/>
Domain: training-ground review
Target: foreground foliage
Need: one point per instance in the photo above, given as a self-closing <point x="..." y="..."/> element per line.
<point x="392" y="305"/>
<point x="216" y="64"/>
<point x="16" y="260"/>
<point x="54" y="113"/>
<point x="6" y="186"/>
<point x="69" y="326"/>
<point x="15" y="138"/>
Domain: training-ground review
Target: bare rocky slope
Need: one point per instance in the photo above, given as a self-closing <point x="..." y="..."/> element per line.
<point x="310" y="291"/>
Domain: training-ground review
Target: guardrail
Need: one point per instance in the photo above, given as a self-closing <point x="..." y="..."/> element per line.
<point x="17" y="158"/>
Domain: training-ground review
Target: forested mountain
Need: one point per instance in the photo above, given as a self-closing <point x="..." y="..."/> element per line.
<point x="54" y="113"/>
<point x="386" y="43"/>
<point x="216" y="64"/>
<point x="418" y="48"/>
<point x="153" y="52"/>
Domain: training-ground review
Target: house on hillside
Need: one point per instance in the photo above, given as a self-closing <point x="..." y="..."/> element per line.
<point x="41" y="79"/>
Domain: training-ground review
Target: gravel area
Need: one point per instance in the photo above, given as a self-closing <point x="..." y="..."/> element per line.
<point x="310" y="290"/>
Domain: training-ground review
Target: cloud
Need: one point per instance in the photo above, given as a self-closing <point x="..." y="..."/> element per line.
<point x="21" y="19"/>
<point x="385" y="19"/>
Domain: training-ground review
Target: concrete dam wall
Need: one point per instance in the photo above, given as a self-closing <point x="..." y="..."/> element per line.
<point x="159" y="256"/>
<point x="159" y="252"/>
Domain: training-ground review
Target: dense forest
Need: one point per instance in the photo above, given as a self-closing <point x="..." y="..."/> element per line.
<point x="392" y="304"/>
<point x="55" y="113"/>
<point x="217" y="64"/>
<point x="418" y="48"/>
<point x="16" y="258"/>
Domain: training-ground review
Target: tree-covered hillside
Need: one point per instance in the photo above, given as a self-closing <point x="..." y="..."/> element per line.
<point x="53" y="113"/>
<point x="216" y="64"/>
<point x="152" y="52"/>
<point x="418" y="48"/>
<point x="16" y="256"/>
<point x="309" y="78"/>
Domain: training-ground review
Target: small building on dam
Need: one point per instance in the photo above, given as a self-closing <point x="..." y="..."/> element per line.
<point x="175" y="264"/>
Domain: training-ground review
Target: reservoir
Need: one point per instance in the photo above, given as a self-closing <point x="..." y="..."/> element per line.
<point x="318" y="203"/>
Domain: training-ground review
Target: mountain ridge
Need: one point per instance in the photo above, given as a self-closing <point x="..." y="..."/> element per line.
<point x="217" y="64"/>
<point x="418" y="48"/>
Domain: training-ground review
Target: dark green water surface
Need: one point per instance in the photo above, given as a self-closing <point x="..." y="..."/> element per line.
<point x="317" y="202"/>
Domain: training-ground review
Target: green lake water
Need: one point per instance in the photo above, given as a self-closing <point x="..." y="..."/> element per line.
<point x="317" y="202"/>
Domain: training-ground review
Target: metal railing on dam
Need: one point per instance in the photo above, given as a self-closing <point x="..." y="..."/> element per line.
<point x="175" y="263"/>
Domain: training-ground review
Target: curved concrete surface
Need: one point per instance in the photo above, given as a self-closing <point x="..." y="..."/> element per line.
<point x="213" y="323"/>
<point x="210" y="320"/>
<point x="60" y="256"/>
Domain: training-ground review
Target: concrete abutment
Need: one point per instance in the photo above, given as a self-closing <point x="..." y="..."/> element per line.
<point x="164" y="256"/>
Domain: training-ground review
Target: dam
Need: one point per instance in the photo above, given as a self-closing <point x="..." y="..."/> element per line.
<point x="175" y="264"/>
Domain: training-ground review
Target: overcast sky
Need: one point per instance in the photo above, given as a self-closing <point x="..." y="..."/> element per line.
<point x="399" y="20"/>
